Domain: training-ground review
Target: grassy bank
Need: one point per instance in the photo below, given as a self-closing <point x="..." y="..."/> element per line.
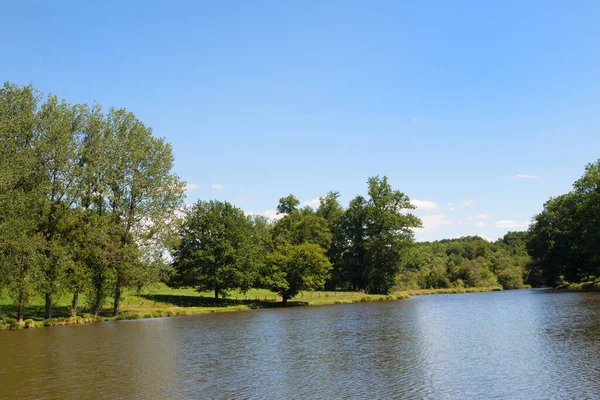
<point x="419" y="292"/>
<point x="162" y="301"/>
<point x="593" y="286"/>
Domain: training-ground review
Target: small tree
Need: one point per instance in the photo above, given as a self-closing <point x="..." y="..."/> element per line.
<point x="297" y="267"/>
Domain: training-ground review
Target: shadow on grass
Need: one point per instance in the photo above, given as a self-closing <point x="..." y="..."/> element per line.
<point x="35" y="313"/>
<point x="201" y="301"/>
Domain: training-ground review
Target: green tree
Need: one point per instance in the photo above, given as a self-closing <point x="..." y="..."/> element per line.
<point x="332" y="212"/>
<point x="59" y="125"/>
<point x="21" y="194"/>
<point x="293" y="268"/>
<point x="288" y="204"/>
<point x="380" y="232"/>
<point x="555" y="240"/>
<point x="143" y="195"/>
<point x="218" y="249"/>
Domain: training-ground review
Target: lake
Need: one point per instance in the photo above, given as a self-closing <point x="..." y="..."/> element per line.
<point x="514" y="344"/>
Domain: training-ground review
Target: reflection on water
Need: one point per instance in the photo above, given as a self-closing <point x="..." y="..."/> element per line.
<point x="520" y="344"/>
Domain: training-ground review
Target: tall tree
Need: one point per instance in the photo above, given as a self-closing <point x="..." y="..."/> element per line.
<point x="298" y="260"/>
<point x="59" y="125"/>
<point x="332" y="212"/>
<point x="380" y="231"/>
<point x="21" y="194"/>
<point x="143" y="193"/>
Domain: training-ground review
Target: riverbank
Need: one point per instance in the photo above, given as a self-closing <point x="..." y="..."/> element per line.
<point x="162" y="301"/>
<point x="581" y="286"/>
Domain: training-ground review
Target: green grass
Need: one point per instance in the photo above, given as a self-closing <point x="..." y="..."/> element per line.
<point x="163" y="301"/>
<point x="419" y="292"/>
<point x="593" y="286"/>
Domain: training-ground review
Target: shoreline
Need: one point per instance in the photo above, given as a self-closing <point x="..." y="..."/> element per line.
<point x="7" y="323"/>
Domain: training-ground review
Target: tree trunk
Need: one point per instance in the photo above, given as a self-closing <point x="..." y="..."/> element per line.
<point x="216" y="294"/>
<point x="74" y="304"/>
<point x="284" y="298"/>
<point x="117" y="297"/>
<point x="21" y="308"/>
<point x="48" y="313"/>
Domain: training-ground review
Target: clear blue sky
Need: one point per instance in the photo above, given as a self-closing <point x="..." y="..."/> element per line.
<point x="450" y="100"/>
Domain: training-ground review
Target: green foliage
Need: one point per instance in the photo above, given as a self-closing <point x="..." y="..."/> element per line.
<point x="467" y="262"/>
<point x="218" y="249"/>
<point x="378" y="234"/>
<point x="84" y="198"/>
<point x="332" y="212"/>
<point x="296" y="267"/>
<point x="288" y="204"/>
<point x="564" y="237"/>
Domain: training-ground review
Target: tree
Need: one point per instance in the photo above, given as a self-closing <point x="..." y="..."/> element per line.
<point x="294" y="268"/>
<point x="21" y="194"/>
<point x="143" y="194"/>
<point x="288" y="204"/>
<point x="217" y="249"/>
<point x="332" y="212"/>
<point x="59" y="125"/>
<point x="555" y="240"/>
<point x="587" y="188"/>
<point x="379" y="231"/>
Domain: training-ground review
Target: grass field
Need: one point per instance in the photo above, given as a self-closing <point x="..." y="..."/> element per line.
<point x="162" y="301"/>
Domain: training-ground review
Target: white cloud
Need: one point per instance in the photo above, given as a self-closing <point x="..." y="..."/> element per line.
<point x="467" y="203"/>
<point x="478" y="217"/>
<point x="314" y="203"/>
<point x="431" y="222"/>
<point x="272" y="215"/>
<point x="425" y="205"/>
<point x="217" y="186"/>
<point x="191" y="186"/>
<point x="525" y="176"/>
<point x="450" y="204"/>
<point x="485" y="238"/>
<point x="480" y="224"/>
<point x="510" y="224"/>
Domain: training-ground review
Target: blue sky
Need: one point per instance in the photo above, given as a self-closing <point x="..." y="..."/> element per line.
<point x="451" y="100"/>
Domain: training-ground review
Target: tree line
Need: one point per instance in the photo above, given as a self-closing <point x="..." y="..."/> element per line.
<point x="86" y="200"/>
<point x="357" y="248"/>
<point x="89" y="206"/>
<point x="561" y="246"/>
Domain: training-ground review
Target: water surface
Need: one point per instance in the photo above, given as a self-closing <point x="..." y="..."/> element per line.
<point x="515" y="344"/>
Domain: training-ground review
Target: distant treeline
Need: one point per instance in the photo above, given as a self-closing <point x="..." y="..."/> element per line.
<point x="467" y="262"/>
<point x="561" y="246"/>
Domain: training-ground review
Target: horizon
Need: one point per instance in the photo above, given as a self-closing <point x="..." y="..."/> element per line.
<point x="479" y="113"/>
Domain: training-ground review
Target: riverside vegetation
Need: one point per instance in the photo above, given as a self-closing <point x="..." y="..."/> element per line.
<point x="91" y="211"/>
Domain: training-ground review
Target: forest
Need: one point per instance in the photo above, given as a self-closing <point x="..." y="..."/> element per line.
<point x="90" y="207"/>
